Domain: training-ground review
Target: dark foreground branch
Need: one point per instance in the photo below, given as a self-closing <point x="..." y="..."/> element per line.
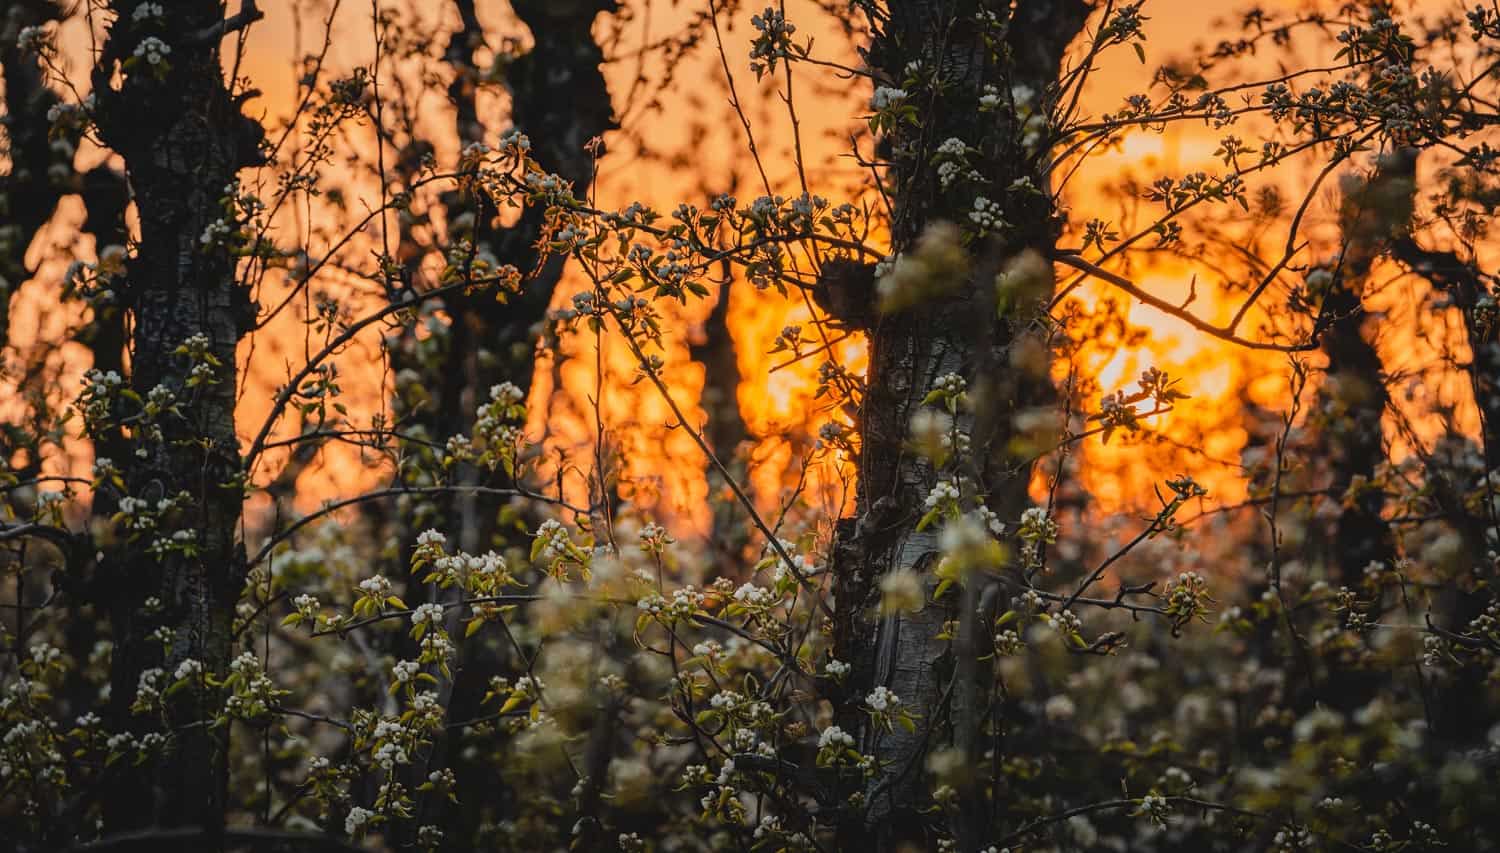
<point x="233" y="838"/>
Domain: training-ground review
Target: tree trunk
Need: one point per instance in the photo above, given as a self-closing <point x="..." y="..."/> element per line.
<point x="957" y="329"/>
<point x="188" y="312"/>
<point x="1464" y="495"/>
<point x="1348" y="410"/>
<point x="1465" y="286"/>
<point x="725" y="429"/>
<point x="560" y="101"/>
<point x="29" y="192"/>
<point x="1353" y="398"/>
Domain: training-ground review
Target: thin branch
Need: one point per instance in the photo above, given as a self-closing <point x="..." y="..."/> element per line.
<point x="329" y="509"/>
<point x="1164" y="306"/>
<point x="290" y="389"/>
<point x="249" y="13"/>
<point x="57" y="535"/>
<point x="163" y="838"/>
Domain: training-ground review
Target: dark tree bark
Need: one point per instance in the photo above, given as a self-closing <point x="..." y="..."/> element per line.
<point x="725" y="430"/>
<point x="1353" y="398"/>
<point x="180" y="164"/>
<point x="956" y="331"/>
<point x="41" y="174"/>
<point x="39" y="170"/>
<point x="560" y="101"/>
<point x="1473" y="293"/>
<point x="1463" y="711"/>
<point x="105" y="198"/>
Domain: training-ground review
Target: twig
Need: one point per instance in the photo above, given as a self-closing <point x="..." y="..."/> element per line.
<point x="249" y="13"/>
<point x="1160" y="304"/>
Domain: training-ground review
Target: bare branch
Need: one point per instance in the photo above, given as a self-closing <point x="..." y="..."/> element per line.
<point x="1188" y="317"/>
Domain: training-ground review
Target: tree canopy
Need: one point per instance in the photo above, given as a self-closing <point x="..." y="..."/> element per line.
<point x="614" y="425"/>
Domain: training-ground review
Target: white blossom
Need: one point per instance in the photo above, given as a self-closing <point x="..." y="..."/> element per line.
<point x="835" y="737"/>
<point x="986" y="214"/>
<point x="404" y="671"/>
<point x="1059" y="709"/>
<point x="944" y="490"/>
<point x="886" y="97"/>
<point x="881" y="699"/>
<point x="754" y="596"/>
<point x="152" y="49"/>
<point x="356" y="820"/>
<point x="376" y="586"/>
<point x="427" y="614"/>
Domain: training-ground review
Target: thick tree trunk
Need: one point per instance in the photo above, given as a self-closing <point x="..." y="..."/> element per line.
<point x="41" y="173"/>
<point x="1349" y="408"/>
<point x="183" y="295"/>
<point x="105" y="199"/>
<point x="1353" y="398"/>
<point x="956" y="331"/>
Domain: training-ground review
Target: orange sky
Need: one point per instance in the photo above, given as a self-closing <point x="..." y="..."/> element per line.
<point x="702" y="150"/>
